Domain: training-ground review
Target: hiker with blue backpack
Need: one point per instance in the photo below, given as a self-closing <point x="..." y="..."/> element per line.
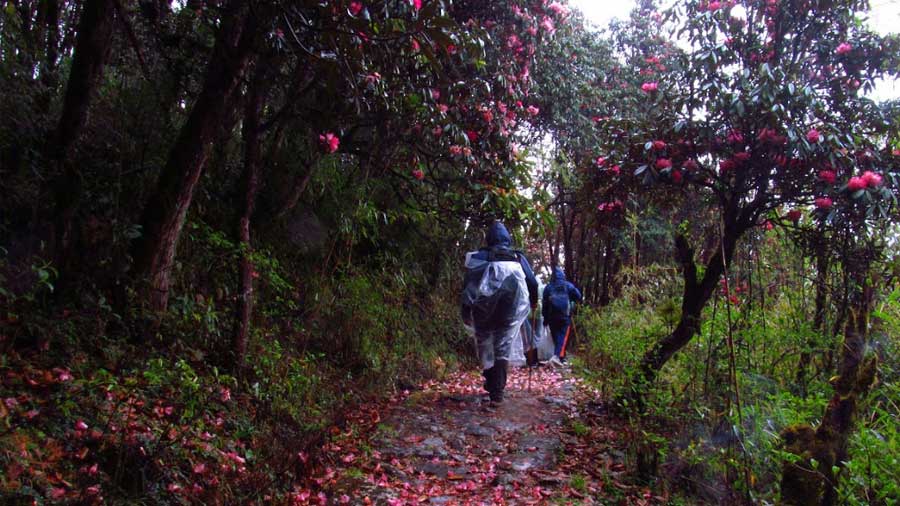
<point x="556" y="307"/>
<point x="499" y="292"/>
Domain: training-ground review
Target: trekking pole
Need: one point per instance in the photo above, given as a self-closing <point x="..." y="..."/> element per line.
<point x="562" y="352"/>
<point x="534" y="351"/>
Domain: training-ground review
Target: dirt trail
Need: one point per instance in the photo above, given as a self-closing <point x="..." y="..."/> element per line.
<point x="445" y="444"/>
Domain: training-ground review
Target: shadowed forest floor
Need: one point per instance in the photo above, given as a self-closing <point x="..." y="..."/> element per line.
<point x="444" y="444"/>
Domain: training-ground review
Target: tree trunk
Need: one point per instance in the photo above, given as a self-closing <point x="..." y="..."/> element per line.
<point x="167" y="208"/>
<point x="805" y="484"/>
<point x="695" y="296"/>
<point x="91" y="49"/>
<point x="250" y="188"/>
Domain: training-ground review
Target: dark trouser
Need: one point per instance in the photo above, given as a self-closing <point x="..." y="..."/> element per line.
<point x="495" y="380"/>
<point x="558" y="330"/>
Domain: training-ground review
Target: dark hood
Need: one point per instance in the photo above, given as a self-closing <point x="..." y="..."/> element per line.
<point x="558" y="275"/>
<point x="498" y="235"/>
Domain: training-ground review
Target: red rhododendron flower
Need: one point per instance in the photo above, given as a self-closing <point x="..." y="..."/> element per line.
<point x="532" y="110"/>
<point x="435" y="94"/>
<point x="735" y="137"/>
<point x="714" y="6"/>
<point x="690" y="165"/>
<point x="813" y="135"/>
<point x="615" y="169"/>
<point x="828" y="176"/>
<point x="80" y="425"/>
<point x="794" y="215"/>
<point x="437" y="131"/>
<point x="658" y="145"/>
<point x="649" y="87"/>
<point x="355" y="8"/>
<point x="676" y="177"/>
<point x="418" y="174"/>
<point x="742" y="157"/>
<point x="455" y="149"/>
<point x="727" y="165"/>
<point x="329" y="141"/>
<point x="414" y="45"/>
<point x="663" y="163"/>
<point x="600" y="161"/>
<point x="856" y="183"/>
<point x="872" y="179"/>
<point x="843" y="48"/>
<point x="417" y="4"/>
<point x="824" y="203"/>
<point x="472" y="135"/>
<point x="487" y="115"/>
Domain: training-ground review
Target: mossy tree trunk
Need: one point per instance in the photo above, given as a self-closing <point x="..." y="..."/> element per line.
<point x="812" y="480"/>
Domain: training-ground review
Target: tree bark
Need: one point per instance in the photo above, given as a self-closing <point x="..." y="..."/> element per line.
<point x="695" y="296"/>
<point x="250" y="188"/>
<point x="805" y="484"/>
<point x="91" y="50"/>
<point x="166" y="210"/>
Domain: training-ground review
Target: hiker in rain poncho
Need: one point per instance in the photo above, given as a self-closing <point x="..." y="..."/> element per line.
<point x="555" y="303"/>
<point x="499" y="290"/>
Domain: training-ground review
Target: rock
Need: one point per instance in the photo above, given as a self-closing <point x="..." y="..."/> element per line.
<point x="439" y="470"/>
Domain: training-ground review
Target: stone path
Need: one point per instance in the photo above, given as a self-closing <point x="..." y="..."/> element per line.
<point x="447" y="445"/>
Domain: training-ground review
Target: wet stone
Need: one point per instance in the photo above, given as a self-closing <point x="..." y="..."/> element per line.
<point x="439" y="470"/>
<point x="478" y="430"/>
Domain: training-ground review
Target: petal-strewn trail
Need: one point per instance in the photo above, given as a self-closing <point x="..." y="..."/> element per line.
<point x="444" y="444"/>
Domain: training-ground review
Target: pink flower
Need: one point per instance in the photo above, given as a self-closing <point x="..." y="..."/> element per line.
<point x="487" y="115"/>
<point x="742" y="157"/>
<point x="93" y="490"/>
<point x="200" y="468"/>
<point x="615" y="169"/>
<point x="437" y="131"/>
<point x="329" y="142"/>
<point x="472" y="135"/>
<point x="856" y="183"/>
<point x="435" y="94"/>
<point x="871" y="179"/>
<point x="794" y="215"/>
<point x="649" y="87"/>
<point x="727" y="165"/>
<point x="676" y="177"/>
<point x="62" y="375"/>
<point x="80" y="425"/>
<point x="713" y="6"/>
<point x="225" y="393"/>
<point x="547" y="25"/>
<point x="174" y="488"/>
<point x="455" y="149"/>
<point x="10" y="402"/>
<point x="532" y="110"/>
<point x="355" y="8"/>
<point x="57" y="493"/>
<point x="824" y="203"/>
<point x="663" y="163"/>
<point x="418" y="174"/>
<point x="659" y="145"/>
<point x="414" y="45"/>
<point x="843" y="48"/>
<point x="513" y="41"/>
<point x="558" y="9"/>
<point x="443" y="108"/>
<point x="813" y="135"/>
<point x="690" y="165"/>
<point x="828" y="176"/>
<point x="600" y="161"/>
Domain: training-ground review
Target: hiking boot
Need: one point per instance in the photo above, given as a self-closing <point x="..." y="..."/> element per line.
<point x="555" y="361"/>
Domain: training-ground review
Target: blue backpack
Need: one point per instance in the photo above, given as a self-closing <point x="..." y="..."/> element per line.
<point x="559" y="300"/>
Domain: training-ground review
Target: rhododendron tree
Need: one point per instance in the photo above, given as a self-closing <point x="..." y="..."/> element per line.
<point x="753" y="118"/>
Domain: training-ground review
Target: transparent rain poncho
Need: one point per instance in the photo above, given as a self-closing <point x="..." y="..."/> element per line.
<point x="495" y="302"/>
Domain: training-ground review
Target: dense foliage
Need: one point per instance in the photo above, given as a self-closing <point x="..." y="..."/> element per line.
<point x="226" y="223"/>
